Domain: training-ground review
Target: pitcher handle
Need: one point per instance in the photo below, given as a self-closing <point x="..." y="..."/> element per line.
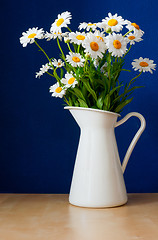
<point x="136" y="137"/>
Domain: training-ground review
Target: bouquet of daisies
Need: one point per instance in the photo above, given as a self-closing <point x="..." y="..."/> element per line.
<point x="88" y="74"/>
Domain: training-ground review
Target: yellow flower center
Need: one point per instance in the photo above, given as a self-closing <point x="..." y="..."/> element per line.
<point x="91" y="24"/>
<point x="71" y="80"/>
<point x="112" y="22"/>
<point x="76" y="59"/>
<point x="32" y="35"/>
<point x="59" y="22"/>
<point x="59" y="63"/>
<point x="100" y="38"/>
<point x="117" y="44"/>
<point x="80" y="37"/>
<point x="58" y="89"/>
<point x="143" y="64"/>
<point x="94" y="46"/>
<point x="135" y="25"/>
<point x="131" y="37"/>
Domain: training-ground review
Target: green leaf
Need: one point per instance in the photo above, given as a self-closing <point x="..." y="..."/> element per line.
<point x="100" y="100"/>
<point x="106" y="102"/>
<point x="82" y="103"/>
<point x="122" y="105"/>
<point x="61" y="73"/>
<point x="90" y="90"/>
<point x="78" y="93"/>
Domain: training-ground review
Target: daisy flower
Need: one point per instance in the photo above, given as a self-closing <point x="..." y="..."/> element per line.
<point x="134" y="37"/>
<point x="50" y="36"/>
<point x="58" y="63"/>
<point x="114" y="22"/>
<point x="87" y="26"/>
<point x="133" y="26"/>
<point x="69" y="80"/>
<point x="99" y="35"/>
<point x="57" y="91"/>
<point x="116" y="44"/>
<point x="77" y="38"/>
<point x="43" y="70"/>
<point x="75" y="59"/>
<point x="30" y="35"/>
<point x="62" y="21"/>
<point x="94" y="46"/>
<point x="143" y="64"/>
<point x="102" y="25"/>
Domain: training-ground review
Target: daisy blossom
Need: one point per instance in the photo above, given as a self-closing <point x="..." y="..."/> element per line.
<point x="133" y="26"/>
<point x="43" y="70"/>
<point x="69" y="80"/>
<point x="30" y="35"/>
<point x="50" y="36"/>
<point x="87" y="26"/>
<point x="134" y="37"/>
<point x="143" y="64"/>
<point x="99" y="35"/>
<point x="102" y="25"/>
<point x="58" y="63"/>
<point x="77" y="38"/>
<point x="94" y="46"/>
<point x="62" y="21"/>
<point x="114" y="22"/>
<point x="116" y="44"/>
<point x="57" y="91"/>
<point x="75" y="59"/>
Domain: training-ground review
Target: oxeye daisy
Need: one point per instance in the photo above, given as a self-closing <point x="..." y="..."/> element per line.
<point x="50" y="36"/>
<point x="99" y="35"/>
<point x="62" y="21"/>
<point x="43" y="70"/>
<point x="114" y="22"/>
<point x="116" y="44"/>
<point x="143" y="64"/>
<point x="75" y="59"/>
<point x="58" y="63"/>
<point x="57" y="91"/>
<point x="133" y="26"/>
<point x="134" y="37"/>
<point x="69" y="80"/>
<point x="77" y="38"/>
<point x="30" y="35"/>
<point x="87" y="26"/>
<point x="94" y="46"/>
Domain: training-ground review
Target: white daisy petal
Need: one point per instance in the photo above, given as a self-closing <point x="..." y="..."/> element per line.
<point x="135" y="27"/>
<point x="57" y="91"/>
<point x="77" y="38"/>
<point x="69" y="80"/>
<point x="75" y="59"/>
<point x="58" y="63"/>
<point x="116" y="44"/>
<point x="88" y="26"/>
<point x="144" y="65"/>
<point x="114" y="22"/>
<point x="43" y="70"/>
<point x="62" y="21"/>
<point x="134" y="37"/>
<point x="30" y="35"/>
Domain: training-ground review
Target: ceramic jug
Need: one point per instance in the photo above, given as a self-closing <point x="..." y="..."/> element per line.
<point x="98" y="180"/>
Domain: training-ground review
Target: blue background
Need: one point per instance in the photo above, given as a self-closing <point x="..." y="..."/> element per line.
<point x="38" y="138"/>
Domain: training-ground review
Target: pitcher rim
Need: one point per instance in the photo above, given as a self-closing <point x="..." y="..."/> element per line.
<point x="91" y="109"/>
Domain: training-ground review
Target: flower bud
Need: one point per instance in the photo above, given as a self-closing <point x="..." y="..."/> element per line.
<point x="108" y="30"/>
<point x="66" y="40"/>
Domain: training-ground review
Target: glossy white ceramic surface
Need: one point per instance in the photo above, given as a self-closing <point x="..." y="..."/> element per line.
<point x="98" y="175"/>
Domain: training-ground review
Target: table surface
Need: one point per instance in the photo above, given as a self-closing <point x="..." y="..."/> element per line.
<point x="51" y="217"/>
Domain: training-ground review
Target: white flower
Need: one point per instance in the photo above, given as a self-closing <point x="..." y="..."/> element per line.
<point x="43" y="70"/>
<point x="69" y="80"/>
<point x="102" y="25"/>
<point x="75" y="59"/>
<point x="143" y="64"/>
<point x="62" y="21"/>
<point x="50" y="36"/>
<point x="94" y="46"/>
<point x="87" y="26"/>
<point x="77" y="38"/>
<point x="58" y="63"/>
<point x="99" y="35"/>
<point x="114" y="22"/>
<point x="133" y="26"/>
<point x="30" y="35"/>
<point x="57" y="91"/>
<point x="134" y="37"/>
<point x="116" y="44"/>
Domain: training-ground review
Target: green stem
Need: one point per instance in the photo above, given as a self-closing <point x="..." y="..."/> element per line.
<point x="66" y="101"/>
<point x="78" y="49"/>
<point x="132" y="80"/>
<point x="69" y="29"/>
<point x="60" y="48"/>
<point x="127" y="51"/>
<point x="69" y="47"/>
<point x="50" y="74"/>
<point x="127" y="33"/>
<point x="44" y="54"/>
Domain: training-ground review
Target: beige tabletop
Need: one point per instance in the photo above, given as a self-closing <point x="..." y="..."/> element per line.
<point x="51" y="217"/>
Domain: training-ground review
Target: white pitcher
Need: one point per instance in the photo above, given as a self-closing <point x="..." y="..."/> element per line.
<point x="98" y="175"/>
